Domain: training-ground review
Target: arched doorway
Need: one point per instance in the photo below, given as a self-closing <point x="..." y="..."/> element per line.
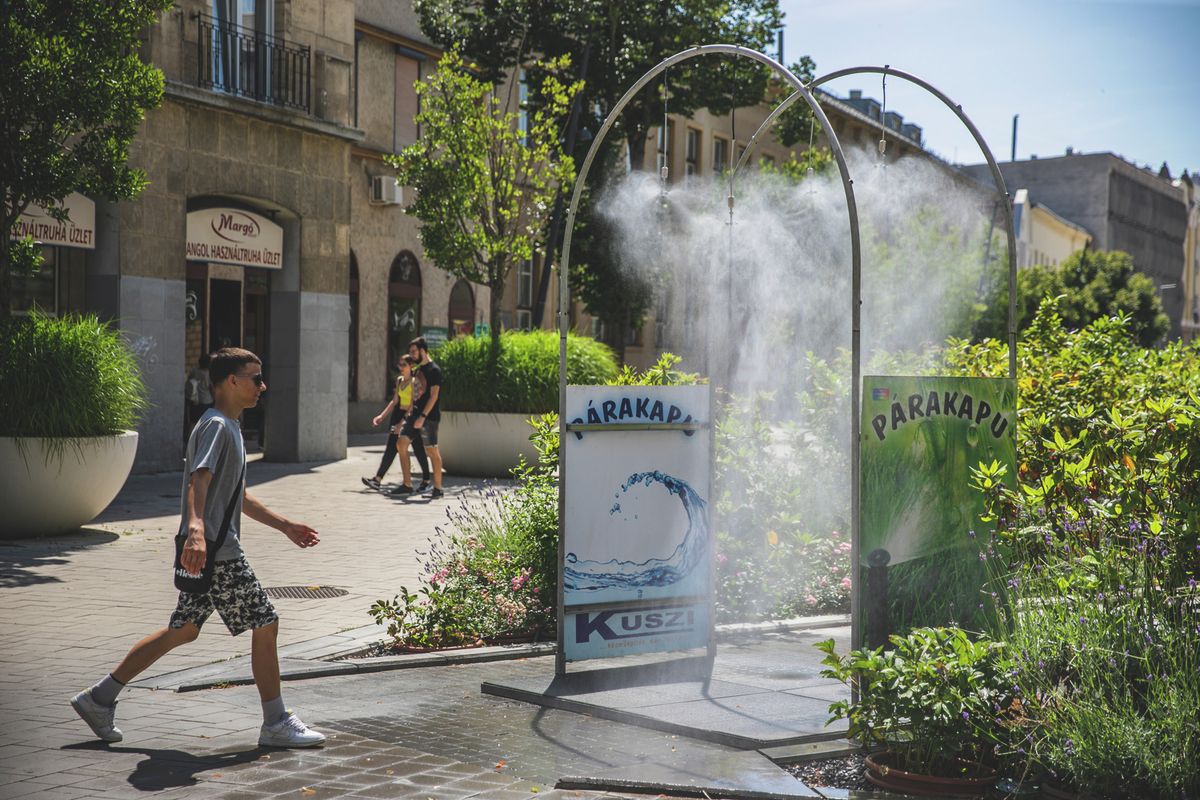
<point x="462" y="310"/>
<point x="404" y="310"/>
<point x="352" y="390"/>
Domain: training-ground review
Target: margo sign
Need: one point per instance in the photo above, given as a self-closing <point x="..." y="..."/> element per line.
<point x="233" y="236"/>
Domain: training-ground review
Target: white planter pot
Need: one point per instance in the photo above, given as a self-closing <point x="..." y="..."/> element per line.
<point x="484" y="445"/>
<point x="43" y="494"/>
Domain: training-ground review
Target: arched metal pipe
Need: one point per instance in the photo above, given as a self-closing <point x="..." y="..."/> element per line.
<point x="1006" y="201"/>
<point x="564" y="292"/>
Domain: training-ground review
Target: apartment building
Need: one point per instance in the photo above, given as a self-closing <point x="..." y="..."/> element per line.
<point x="271" y="220"/>
<point x="1121" y="206"/>
<point x="1044" y="237"/>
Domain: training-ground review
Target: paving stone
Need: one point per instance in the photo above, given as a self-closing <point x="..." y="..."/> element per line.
<point x="389" y="730"/>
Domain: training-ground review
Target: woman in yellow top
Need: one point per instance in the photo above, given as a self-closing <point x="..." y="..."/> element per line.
<point x="395" y="411"/>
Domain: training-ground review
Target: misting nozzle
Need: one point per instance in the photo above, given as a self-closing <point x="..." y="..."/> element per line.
<point x="882" y="146"/>
<point x="809" y="172"/>
<point x="663" y="173"/>
<point x="729" y="202"/>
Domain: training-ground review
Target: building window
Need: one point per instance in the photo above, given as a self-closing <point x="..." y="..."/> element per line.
<point x="720" y="161"/>
<point x="405" y="103"/>
<point x="692" y="154"/>
<point x="665" y="135"/>
<point x="462" y="310"/>
<point x="525" y="284"/>
<point x="523" y="107"/>
<point x="56" y="288"/>
<point x="633" y="335"/>
<point x="524" y="319"/>
<point x="239" y="54"/>
<point x="404" y="311"/>
<point x="598" y="331"/>
<point x="767" y="162"/>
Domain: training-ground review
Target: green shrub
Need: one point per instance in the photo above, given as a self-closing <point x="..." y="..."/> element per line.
<point x="524" y="378"/>
<point x="1096" y="559"/>
<point x="66" y="377"/>
<point x="933" y="697"/>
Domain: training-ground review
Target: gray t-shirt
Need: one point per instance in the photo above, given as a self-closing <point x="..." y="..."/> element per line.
<point x="216" y="445"/>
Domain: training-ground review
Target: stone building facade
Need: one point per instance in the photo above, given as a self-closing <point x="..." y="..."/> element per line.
<point x="242" y="236"/>
<point x="271" y="220"/>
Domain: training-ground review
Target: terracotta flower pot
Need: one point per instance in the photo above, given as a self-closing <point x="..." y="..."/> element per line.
<point x="880" y="772"/>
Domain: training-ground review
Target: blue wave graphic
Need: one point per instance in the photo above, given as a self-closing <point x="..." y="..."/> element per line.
<point x="631" y="575"/>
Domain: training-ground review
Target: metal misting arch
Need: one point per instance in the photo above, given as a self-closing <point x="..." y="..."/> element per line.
<point x="997" y="177"/>
<point x="802" y="91"/>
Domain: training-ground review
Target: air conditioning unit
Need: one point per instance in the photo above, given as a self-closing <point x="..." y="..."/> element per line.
<point x="385" y="191"/>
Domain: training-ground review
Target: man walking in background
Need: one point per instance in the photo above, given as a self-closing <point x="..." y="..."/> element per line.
<point x="426" y="410"/>
<point x="214" y="497"/>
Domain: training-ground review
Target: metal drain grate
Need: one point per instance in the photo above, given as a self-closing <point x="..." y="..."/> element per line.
<point x="304" y="592"/>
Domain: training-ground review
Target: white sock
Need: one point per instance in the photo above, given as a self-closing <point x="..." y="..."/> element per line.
<point x="105" y="692"/>
<point x="273" y="710"/>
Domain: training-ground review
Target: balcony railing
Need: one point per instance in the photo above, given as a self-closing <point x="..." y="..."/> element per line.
<point x="247" y="63"/>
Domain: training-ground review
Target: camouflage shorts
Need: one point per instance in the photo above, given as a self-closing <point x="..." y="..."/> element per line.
<point x="236" y="595"/>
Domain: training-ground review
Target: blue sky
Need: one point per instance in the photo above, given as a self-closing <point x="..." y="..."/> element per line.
<point x="1097" y="76"/>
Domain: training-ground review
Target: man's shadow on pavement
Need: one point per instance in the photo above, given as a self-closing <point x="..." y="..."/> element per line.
<point x="169" y="769"/>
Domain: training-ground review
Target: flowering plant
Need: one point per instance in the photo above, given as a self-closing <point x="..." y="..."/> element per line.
<point x="493" y="574"/>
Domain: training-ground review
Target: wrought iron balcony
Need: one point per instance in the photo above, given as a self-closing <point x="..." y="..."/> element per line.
<point x="248" y="63"/>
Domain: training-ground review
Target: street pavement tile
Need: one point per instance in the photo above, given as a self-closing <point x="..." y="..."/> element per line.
<point x="426" y="724"/>
<point x="53" y="793"/>
<point x="282" y="784"/>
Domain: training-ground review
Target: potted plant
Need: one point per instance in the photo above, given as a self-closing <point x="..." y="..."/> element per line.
<point x="488" y="399"/>
<point x="72" y="393"/>
<point x="929" y="704"/>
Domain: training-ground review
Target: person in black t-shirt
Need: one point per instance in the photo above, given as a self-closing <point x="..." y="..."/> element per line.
<point x="422" y="421"/>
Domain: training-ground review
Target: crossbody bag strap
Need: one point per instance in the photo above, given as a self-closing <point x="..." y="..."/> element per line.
<point x="229" y="513"/>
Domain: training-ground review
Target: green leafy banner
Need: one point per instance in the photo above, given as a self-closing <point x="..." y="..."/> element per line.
<point x="920" y="438"/>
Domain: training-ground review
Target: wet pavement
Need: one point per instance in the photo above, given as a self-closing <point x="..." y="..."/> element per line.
<point x="71" y="606"/>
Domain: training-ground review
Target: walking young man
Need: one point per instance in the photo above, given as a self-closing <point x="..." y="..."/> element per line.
<point x="422" y="421"/>
<point x="212" y="485"/>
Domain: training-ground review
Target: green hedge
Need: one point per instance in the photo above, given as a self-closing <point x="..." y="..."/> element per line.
<point x="525" y="377"/>
<point x="66" y="377"/>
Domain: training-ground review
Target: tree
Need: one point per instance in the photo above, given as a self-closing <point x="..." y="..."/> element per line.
<point x="73" y="91"/>
<point x="1089" y="285"/>
<point x="625" y="38"/>
<point x="484" y="187"/>
<point x="622" y="39"/>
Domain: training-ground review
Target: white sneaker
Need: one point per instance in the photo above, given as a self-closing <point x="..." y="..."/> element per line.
<point x="289" y="731"/>
<point x="99" y="718"/>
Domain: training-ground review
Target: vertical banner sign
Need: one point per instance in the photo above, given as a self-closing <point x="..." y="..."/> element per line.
<point x="637" y="546"/>
<point x="920" y="438"/>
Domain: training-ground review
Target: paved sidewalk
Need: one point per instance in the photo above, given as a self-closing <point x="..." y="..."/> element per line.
<point x="70" y="607"/>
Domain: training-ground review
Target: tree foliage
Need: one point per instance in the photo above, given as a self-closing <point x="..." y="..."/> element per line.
<point x="624" y="39"/>
<point x="485" y="187"/>
<point x="73" y="93"/>
<point x="617" y="41"/>
<point x="1089" y="285"/>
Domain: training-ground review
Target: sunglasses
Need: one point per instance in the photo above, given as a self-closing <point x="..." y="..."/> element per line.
<point x="257" y="377"/>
